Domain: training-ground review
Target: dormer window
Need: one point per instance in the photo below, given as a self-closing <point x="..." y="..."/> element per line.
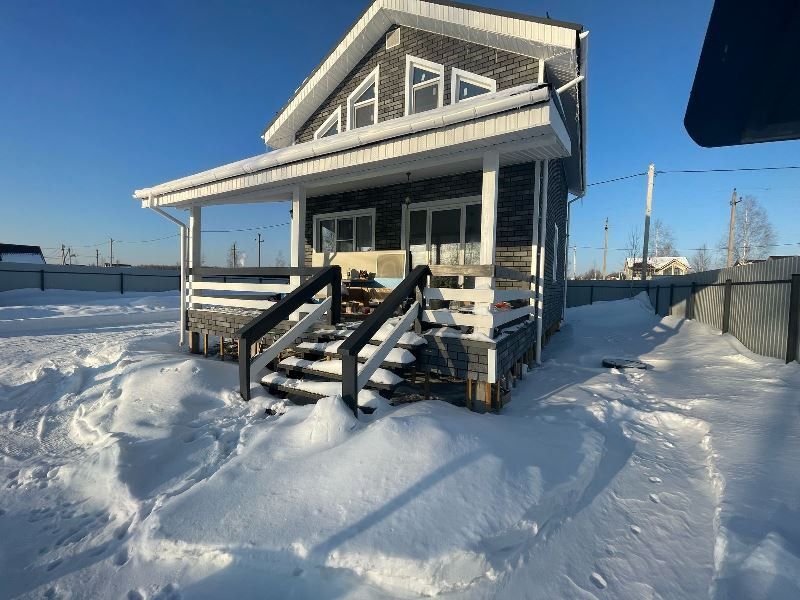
<point x="362" y="104"/>
<point x="466" y="85"/>
<point x="424" y="85"/>
<point x="331" y="126"/>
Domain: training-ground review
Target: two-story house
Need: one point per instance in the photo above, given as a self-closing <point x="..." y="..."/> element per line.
<point x="434" y="133"/>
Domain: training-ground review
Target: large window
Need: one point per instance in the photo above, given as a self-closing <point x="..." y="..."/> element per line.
<point x="424" y="85"/>
<point x="466" y="85"/>
<point x="331" y="126"/>
<point x="351" y="231"/>
<point x="362" y="104"/>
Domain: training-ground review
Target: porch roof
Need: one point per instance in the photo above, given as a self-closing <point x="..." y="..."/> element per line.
<point x="524" y="123"/>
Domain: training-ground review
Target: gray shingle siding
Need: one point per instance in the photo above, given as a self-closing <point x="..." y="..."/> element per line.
<point x="506" y="68"/>
<point x="556" y="215"/>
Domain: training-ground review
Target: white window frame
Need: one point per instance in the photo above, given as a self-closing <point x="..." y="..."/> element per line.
<point x="411" y="62"/>
<point x="335" y="117"/>
<point x="435" y="205"/>
<point x="335" y="216"/>
<point x="462" y="75"/>
<point x="555" y="252"/>
<point x="374" y="76"/>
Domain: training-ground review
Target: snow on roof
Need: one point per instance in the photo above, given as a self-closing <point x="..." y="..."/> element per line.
<point x="657" y="262"/>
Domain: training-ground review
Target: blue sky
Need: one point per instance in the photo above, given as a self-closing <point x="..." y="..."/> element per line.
<point x="101" y="98"/>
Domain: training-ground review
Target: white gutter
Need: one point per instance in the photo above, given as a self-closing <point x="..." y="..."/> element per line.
<point x="182" y="226"/>
<point x="467" y="110"/>
<point x="583" y="62"/>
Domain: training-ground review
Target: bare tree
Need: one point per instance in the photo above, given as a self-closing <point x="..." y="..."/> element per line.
<point x="662" y="240"/>
<point x="634" y="244"/>
<point x="280" y="261"/>
<point x="593" y="273"/>
<point x="754" y="235"/>
<point x="702" y="259"/>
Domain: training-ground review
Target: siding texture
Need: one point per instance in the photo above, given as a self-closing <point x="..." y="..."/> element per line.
<point x="506" y="68"/>
<point x="554" y="254"/>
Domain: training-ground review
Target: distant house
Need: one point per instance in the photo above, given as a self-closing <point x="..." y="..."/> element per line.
<point x="657" y="266"/>
<point x="19" y="253"/>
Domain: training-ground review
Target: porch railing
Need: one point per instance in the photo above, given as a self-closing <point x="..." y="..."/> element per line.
<point x="404" y="297"/>
<point x="300" y="298"/>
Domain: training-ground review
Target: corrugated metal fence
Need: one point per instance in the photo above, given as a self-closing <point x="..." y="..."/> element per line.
<point x="15" y="276"/>
<point x="758" y="303"/>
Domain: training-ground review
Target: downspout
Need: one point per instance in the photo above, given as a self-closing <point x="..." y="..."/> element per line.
<point x="540" y="270"/>
<point x="182" y="226"/>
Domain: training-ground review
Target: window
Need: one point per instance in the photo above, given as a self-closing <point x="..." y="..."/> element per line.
<point x="351" y="231"/>
<point x="424" y="85"/>
<point x="331" y="126"/>
<point x="555" y="253"/>
<point x="362" y="104"/>
<point x="466" y="85"/>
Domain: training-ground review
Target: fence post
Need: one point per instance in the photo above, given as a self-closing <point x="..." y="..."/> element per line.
<point x="690" y="303"/>
<point x="591" y="294"/>
<point x="244" y="368"/>
<point x="41" y="279"/>
<point x="726" y="306"/>
<point x="671" y="298"/>
<point x="794" y="320"/>
<point x="350" y="382"/>
<point x="121" y="282"/>
<point x="658" y="294"/>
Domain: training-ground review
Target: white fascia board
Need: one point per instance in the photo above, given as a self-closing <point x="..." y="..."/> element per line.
<point x="479" y="106"/>
<point x="529" y="38"/>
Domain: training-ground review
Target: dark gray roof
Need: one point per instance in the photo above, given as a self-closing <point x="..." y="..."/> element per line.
<point x="19" y="249"/>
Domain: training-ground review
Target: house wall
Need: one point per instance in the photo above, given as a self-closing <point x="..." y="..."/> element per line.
<point x="556" y="215"/>
<point x="506" y="68"/>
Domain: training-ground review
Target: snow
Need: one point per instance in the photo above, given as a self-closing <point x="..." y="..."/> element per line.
<point x="399" y="356"/>
<point x="131" y="469"/>
<point x="380" y="376"/>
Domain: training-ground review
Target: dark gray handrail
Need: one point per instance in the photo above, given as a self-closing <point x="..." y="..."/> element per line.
<point x="281" y="311"/>
<point x="356" y="341"/>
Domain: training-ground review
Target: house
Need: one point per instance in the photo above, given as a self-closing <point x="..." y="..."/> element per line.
<point x="19" y="253"/>
<point x="435" y="147"/>
<point x="657" y="266"/>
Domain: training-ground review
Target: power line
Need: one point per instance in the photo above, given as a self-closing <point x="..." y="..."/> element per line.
<point x="631" y="176"/>
<point x="733" y="170"/>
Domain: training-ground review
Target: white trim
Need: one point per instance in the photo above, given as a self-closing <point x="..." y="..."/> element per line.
<point x="360" y="212"/>
<point x="489" y="199"/>
<point x="297" y="238"/>
<point x="335" y="117"/>
<point x="413" y="61"/>
<point x="373" y="77"/>
<point x="382" y="351"/>
<point x="460" y="74"/>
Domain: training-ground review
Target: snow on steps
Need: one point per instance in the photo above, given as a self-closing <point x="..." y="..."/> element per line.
<point x="318" y="389"/>
<point x="332" y="369"/>
<point x="409" y="340"/>
<point x="397" y="357"/>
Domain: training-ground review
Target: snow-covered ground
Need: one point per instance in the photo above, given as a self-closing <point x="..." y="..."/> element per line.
<point x="131" y="469"/>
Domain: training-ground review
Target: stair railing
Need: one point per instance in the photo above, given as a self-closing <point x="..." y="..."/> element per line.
<point x="408" y="292"/>
<point x="281" y="311"/>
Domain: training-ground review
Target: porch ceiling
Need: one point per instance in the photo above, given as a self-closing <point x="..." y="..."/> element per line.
<point x="449" y="140"/>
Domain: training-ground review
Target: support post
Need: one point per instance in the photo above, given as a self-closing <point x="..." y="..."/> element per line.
<point x="671" y="298"/>
<point x="298" y="232"/>
<point x="726" y="306"/>
<point x="195" y="261"/>
<point x="793" y="336"/>
<point x="244" y="370"/>
<point x="658" y="296"/>
<point x="489" y="192"/>
<point x="350" y="382"/>
<point x="540" y="268"/>
<point x="690" y="302"/>
<point x="537" y="186"/>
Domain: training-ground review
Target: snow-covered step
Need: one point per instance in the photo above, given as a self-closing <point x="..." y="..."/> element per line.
<point x="398" y="358"/>
<point x="381" y="379"/>
<point x="409" y="340"/>
<point x="314" y="390"/>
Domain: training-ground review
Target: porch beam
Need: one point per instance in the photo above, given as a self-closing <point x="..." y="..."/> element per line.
<point x="489" y="193"/>
<point x="298" y="232"/>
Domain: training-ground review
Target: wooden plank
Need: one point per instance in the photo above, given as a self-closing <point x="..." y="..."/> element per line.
<point x="253" y="271"/>
<point x="278" y="288"/>
<point x="387" y="345"/>
<point x="508" y="273"/>
<point x="462" y="270"/>
<point x="477" y="295"/>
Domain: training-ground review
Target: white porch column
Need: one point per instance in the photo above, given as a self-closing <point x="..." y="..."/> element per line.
<point x="298" y="234"/>
<point x="489" y="189"/>
<point x="540" y="268"/>
<point x="195" y="261"/>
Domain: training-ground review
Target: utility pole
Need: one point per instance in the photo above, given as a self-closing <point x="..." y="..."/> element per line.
<point x="731" y="226"/>
<point x="574" y="262"/>
<point x="97" y="256"/>
<point x="234" y="255"/>
<point x="260" y="241"/>
<point x="111" y="252"/>
<point x="63" y="255"/>
<point x="651" y="174"/>
<point x="605" y="249"/>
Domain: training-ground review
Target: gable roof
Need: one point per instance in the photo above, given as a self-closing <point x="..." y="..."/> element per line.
<point x="657" y="262"/>
<point x="557" y="43"/>
<point x="21" y="253"/>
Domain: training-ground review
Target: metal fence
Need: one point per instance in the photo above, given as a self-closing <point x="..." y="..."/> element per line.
<point x="15" y="276"/>
<point x="759" y="304"/>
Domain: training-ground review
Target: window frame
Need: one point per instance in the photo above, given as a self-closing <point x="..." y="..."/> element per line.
<point x="458" y="75"/>
<point x="411" y="62"/>
<point x="373" y="77"/>
<point x="344" y="214"/>
<point x="334" y="117"/>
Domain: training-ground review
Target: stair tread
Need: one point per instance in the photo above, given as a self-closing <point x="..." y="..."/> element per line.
<point x="397" y="356"/>
<point x="315" y="389"/>
<point x="332" y="369"/>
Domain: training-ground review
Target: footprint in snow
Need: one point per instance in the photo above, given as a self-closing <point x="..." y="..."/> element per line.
<point x="121" y="557"/>
<point x="655" y="498"/>
<point x="598" y="580"/>
<point x="636" y="529"/>
<point x="655" y="479"/>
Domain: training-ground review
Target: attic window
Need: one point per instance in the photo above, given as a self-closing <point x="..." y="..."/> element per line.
<point x="466" y="85"/>
<point x="331" y="126"/>
<point x="362" y="104"/>
<point x="424" y="85"/>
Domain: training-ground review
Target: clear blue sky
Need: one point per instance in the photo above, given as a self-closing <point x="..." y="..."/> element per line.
<point x="101" y="98"/>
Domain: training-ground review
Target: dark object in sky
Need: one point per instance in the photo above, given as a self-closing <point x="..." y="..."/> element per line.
<point x="624" y="363"/>
<point x="746" y="88"/>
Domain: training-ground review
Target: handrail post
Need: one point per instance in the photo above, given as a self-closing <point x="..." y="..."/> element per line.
<point x="793" y="335"/>
<point x="336" y="298"/>
<point x="726" y="306"/>
<point x="244" y="368"/>
<point x="350" y="381"/>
